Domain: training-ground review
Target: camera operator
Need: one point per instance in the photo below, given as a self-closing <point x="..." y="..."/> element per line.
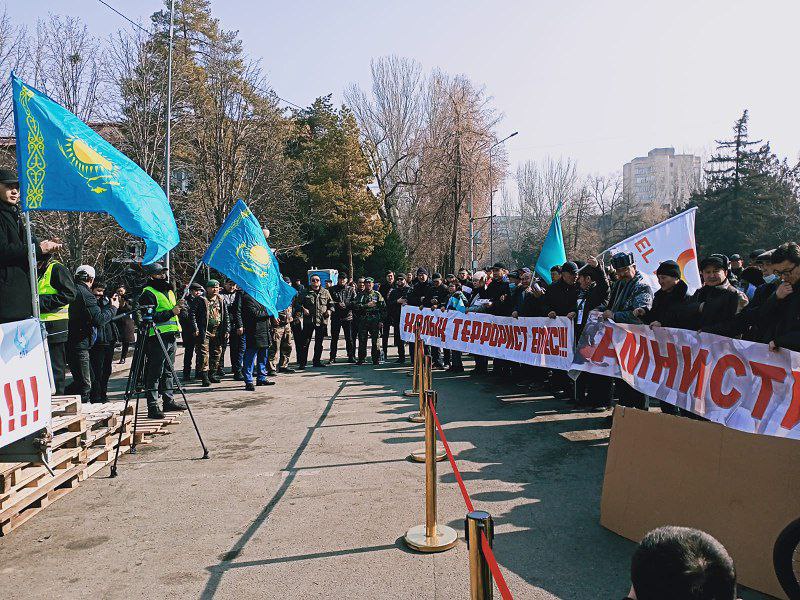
<point x="85" y="317"/>
<point x="160" y="294"/>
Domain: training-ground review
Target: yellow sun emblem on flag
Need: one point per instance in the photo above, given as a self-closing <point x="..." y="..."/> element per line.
<point x="96" y="169"/>
<point x="254" y="258"/>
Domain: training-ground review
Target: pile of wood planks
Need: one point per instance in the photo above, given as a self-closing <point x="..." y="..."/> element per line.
<point x="85" y="439"/>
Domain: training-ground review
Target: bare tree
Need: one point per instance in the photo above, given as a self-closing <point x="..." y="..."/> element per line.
<point x="13" y="56"/>
<point x="390" y="120"/>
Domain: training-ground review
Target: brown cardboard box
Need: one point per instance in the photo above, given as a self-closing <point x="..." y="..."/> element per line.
<point x="742" y="488"/>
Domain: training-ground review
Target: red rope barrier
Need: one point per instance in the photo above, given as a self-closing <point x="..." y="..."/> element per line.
<point x="487" y="549"/>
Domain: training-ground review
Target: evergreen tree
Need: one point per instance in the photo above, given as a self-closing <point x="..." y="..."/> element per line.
<point x="750" y="199"/>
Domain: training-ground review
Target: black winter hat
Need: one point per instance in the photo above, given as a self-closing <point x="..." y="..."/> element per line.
<point x="669" y="268"/>
<point x="717" y="260"/>
<point x="620" y="260"/>
<point x="422" y="271"/>
<point x="8" y="176"/>
<point x="569" y="267"/>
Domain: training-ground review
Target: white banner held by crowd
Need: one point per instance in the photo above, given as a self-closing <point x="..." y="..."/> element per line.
<point x="672" y="239"/>
<point x="536" y="341"/>
<point x="25" y="401"/>
<point x="734" y="382"/>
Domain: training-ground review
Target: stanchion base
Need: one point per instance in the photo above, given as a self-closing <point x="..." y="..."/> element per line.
<point x="410" y="393"/>
<point x="419" y="456"/>
<point x="417" y="418"/>
<point x="445" y="538"/>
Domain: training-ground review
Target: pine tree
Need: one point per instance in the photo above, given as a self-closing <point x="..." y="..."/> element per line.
<point x="750" y="199"/>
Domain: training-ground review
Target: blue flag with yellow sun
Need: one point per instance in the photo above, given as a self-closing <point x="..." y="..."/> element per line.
<point x="64" y="165"/>
<point x="240" y="251"/>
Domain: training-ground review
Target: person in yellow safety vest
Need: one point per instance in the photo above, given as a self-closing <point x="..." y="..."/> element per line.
<point x="56" y="292"/>
<point x="160" y="294"/>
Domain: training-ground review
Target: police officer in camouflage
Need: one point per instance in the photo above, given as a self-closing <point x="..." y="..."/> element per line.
<point x="370" y="307"/>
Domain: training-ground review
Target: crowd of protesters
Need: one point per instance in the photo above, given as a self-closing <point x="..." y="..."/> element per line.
<point x="86" y="318"/>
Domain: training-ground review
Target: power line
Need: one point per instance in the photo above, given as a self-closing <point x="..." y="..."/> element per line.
<point x="135" y="24"/>
<point x="128" y="19"/>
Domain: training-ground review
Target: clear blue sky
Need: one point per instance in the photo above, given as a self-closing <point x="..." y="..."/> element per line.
<point x="599" y="81"/>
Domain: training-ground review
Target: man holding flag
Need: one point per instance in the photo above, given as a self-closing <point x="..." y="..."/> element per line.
<point x="240" y="251"/>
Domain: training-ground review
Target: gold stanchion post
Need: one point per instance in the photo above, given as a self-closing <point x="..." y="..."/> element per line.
<point x="480" y="576"/>
<point x="415" y="367"/>
<point x="430" y="537"/>
<point x="420" y="455"/>
<point x="425" y="384"/>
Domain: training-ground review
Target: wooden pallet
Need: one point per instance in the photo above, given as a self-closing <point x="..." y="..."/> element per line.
<point x="66" y="405"/>
<point x="31" y="501"/>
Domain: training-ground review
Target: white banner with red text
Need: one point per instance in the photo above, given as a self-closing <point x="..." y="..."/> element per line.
<point x="538" y="341"/>
<point x="737" y="383"/>
<point x="25" y="405"/>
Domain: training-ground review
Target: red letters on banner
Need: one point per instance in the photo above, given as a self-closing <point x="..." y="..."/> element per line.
<point x="718" y="397"/>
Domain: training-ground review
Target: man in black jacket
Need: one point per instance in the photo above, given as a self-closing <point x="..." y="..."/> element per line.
<point x="782" y="309"/>
<point x="393" y="308"/>
<point x="190" y="340"/>
<point x="85" y="317"/>
<point x="591" y="390"/>
<point x="713" y="307"/>
<point x="562" y="294"/>
<point x="419" y="295"/>
<point x="258" y="338"/>
<point x="342" y="318"/>
<point x="15" y="285"/>
<point x="669" y="304"/>
<point x="101" y="354"/>
<point x="160" y="294"/>
<point x="439" y="295"/>
<point x="56" y="292"/>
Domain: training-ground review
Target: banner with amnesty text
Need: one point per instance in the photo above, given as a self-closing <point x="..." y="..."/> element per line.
<point x="740" y="384"/>
<point x="539" y="341"/>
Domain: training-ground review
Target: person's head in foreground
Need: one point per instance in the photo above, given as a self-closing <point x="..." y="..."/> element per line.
<point x="680" y="563"/>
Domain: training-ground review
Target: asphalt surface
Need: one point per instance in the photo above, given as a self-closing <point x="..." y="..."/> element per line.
<point x="308" y="494"/>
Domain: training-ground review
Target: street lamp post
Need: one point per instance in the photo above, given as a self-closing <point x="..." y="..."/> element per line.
<point x="491" y="197"/>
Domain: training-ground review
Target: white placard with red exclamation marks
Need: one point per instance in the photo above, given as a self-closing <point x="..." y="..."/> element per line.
<point x="25" y="401"/>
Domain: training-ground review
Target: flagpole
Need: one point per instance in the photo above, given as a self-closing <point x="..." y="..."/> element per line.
<point x="169" y="113"/>
<point x="197" y="270"/>
<point x="34" y="281"/>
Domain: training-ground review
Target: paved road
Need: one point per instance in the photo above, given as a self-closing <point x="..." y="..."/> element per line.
<point x="308" y="493"/>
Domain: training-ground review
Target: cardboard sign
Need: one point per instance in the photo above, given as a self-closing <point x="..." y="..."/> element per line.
<point x="740" y="488"/>
<point x="25" y="400"/>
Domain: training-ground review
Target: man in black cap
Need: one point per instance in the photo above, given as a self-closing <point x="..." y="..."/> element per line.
<point x="737" y="265"/>
<point x="15" y="280"/>
<point x="191" y="341"/>
<point x="714" y="306"/>
<point x="160" y="294"/>
<point x="342" y="318"/>
<point x="560" y="298"/>
<point x="393" y="309"/>
<point x="628" y="293"/>
<point x="439" y="297"/>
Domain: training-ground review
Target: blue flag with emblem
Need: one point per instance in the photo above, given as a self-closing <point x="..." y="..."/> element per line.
<point x="553" y="252"/>
<point x="64" y="165"/>
<point x="240" y="251"/>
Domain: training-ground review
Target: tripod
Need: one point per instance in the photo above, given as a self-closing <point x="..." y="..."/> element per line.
<point x="146" y="327"/>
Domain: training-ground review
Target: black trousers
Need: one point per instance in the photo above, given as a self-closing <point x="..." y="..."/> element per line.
<point x="124" y="352"/>
<point x="58" y="361"/>
<point x="80" y="367"/>
<point x="157" y="377"/>
<point x="398" y="341"/>
<point x="630" y="397"/>
<point x="189" y="346"/>
<point x="349" y="339"/>
<point x="299" y="339"/>
<point x="100" y="359"/>
<point x="593" y="390"/>
<point x="236" y="344"/>
<point x="319" y="332"/>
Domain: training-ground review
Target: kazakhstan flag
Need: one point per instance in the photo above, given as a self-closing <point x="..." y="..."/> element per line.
<point x="65" y="165"/>
<point x="240" y="251"/>
<point x="553" y="252"/>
